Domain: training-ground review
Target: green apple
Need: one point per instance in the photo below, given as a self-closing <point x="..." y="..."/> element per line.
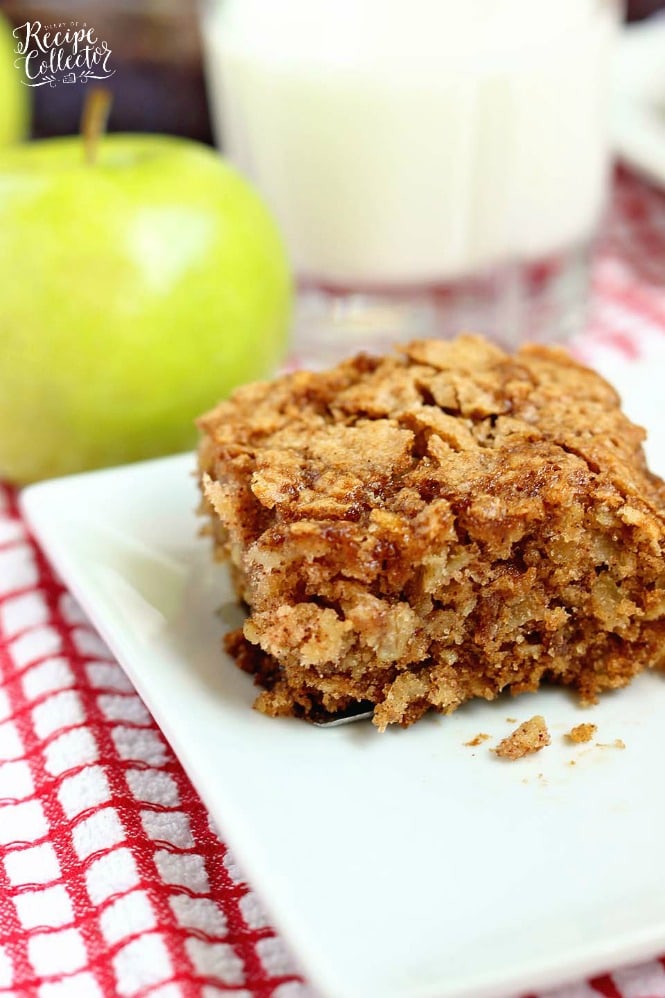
<point x="134" y="293"/>
<point x="13" y="93"/>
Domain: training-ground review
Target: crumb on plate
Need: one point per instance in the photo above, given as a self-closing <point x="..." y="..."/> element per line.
<point x="478" y="740"/>
<point x="530" y="736"/>
<point x="582" y="733"/>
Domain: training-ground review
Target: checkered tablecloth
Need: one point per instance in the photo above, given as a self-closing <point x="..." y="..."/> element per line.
<point x="113" y="880"/>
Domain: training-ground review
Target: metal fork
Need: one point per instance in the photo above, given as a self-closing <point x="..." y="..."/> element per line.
<point x="358" y="712"/>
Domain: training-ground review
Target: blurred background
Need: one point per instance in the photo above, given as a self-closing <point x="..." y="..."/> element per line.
<point x="410" y="168"/>
<point x="159" y="82"/>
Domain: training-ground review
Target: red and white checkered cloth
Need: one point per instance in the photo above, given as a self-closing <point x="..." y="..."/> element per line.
<point x="112" y="879"/>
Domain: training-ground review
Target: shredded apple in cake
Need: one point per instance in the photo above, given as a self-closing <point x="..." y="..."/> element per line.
<point x="439" y="524"/>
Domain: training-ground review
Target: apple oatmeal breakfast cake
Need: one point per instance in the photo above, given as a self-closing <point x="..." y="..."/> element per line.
<point x="443" y="523"/>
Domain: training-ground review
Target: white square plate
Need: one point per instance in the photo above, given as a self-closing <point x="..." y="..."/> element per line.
<point x="400" y="865"/>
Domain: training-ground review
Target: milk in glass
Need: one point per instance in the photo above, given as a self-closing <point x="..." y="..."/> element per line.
<point x="407" y="148"/>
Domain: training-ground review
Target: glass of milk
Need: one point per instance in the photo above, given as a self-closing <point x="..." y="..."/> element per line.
<point x="434" y="165"/>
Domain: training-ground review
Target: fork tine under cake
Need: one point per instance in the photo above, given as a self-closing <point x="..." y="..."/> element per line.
<point x="443" y="523"/>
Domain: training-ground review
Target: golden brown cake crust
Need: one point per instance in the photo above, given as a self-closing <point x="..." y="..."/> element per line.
<point x="439" y="524"/>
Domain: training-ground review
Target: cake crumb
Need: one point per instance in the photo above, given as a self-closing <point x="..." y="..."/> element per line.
<point x="582" y="733"/>
<point x="617" y="743"/>
<point x="478" y="740"/>
<point x="531" y="736"/>
<point x="511" y="720"/>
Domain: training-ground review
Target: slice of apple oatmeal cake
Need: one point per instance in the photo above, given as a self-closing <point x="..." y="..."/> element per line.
<point x="443" y="523"/>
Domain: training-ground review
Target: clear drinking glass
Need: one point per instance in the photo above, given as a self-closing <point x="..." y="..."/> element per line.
<point x="435" y="165"/>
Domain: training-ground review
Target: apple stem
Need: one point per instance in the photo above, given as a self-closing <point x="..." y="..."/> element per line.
<point x="94" y="119"/>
